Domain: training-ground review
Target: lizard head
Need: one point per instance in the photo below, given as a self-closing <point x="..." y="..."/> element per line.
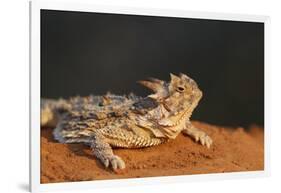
<point x="178" y="98"/>
<point x="178" y="95"/>
<point x="183" y="94"/>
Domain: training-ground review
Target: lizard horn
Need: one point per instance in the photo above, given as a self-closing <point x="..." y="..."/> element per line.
<point x="155" y="86"/>
<point x="184" y="76"/>
<point x="156" y="80"/>
<point x="174" y="78"/>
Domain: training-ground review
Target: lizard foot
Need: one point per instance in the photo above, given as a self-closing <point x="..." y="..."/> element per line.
<point x="115" y="162"/>
<point x="203" y="138"/>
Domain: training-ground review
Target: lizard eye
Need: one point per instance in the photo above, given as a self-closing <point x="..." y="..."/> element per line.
<point x="180" y="89"/>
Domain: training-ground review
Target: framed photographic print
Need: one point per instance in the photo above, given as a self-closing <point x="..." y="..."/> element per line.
<point x="124" y="96"/>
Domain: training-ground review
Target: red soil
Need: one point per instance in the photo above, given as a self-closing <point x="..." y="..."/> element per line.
<point x="232" y="151"/>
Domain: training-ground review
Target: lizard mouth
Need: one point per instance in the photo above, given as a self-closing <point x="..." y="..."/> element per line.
<point x="181" y="118"/>
<point x="174" y="120"/>
<point x="171" y="126"/>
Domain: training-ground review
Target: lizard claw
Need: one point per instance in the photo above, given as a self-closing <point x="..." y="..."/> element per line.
<point x="115" y="161"/>
<point x="203" y="138"/>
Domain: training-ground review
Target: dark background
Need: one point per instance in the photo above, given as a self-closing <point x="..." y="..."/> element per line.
<point x="92" y="53"/>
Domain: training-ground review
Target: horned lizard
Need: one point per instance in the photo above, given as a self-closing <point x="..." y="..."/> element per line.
<point x="128" y="121"/>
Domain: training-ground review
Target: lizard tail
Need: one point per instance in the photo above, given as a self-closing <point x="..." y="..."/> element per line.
<point x="51" y="110"/>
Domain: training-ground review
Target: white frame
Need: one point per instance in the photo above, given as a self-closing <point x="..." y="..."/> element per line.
<point x="36" y="6"/>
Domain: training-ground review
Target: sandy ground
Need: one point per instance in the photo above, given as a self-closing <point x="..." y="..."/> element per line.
<point x="232" y="151"/>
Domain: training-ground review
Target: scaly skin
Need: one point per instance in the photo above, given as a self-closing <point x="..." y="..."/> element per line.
<point x="130" y="121"/>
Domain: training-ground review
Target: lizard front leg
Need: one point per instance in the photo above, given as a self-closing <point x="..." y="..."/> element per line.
<point x="102" y="150"/>
<point x="197" y="134"/>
